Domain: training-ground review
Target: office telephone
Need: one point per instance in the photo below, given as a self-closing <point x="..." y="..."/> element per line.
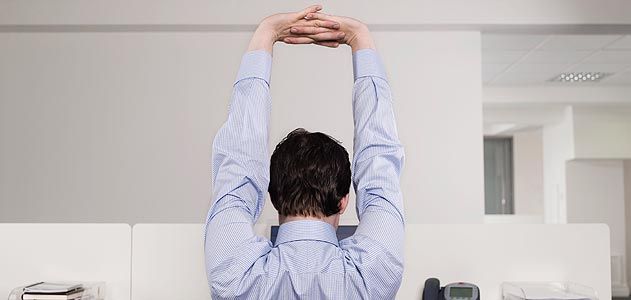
<point x="452" y="291"/>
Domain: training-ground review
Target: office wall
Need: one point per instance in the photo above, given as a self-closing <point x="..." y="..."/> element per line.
<point x="462" y="13"/>
<point x="627" y="205"/>
<point x="595" y="194"/>
<point x="602" y="132"/>
<point x="528" y="170"/>
<point x="558" y="148"/>
<point x="117" y="127"/>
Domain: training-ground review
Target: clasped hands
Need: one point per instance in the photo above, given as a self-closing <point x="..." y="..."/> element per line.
<point x="310" y="26"/>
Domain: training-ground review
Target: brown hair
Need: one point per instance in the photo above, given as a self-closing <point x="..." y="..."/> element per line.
<point x="309" y="174"/>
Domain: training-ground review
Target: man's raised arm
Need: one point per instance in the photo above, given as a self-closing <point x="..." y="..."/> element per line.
<point x="240" y="175"/>
<point x="378" y="155"/>
<point x="377" y="246"/>
<point x="377" y="162"/>
<point x="240" y="161"/>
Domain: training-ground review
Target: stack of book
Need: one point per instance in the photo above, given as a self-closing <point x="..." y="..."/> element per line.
<point x="53" y="291"/>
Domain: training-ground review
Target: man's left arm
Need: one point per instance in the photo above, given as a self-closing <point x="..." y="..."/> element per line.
<point x="240" y="161"/>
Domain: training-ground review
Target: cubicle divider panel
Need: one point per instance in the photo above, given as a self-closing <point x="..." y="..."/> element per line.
<point x="66" y="252"/>
<point x="168" y="262"/>
<point x="488" y="255"/>
<point x="168" y="259"/>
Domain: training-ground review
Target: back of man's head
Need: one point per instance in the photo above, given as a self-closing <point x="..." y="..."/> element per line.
<point x="309" y="174"/>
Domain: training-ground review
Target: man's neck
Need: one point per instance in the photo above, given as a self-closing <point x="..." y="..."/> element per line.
<point x="333" y="219"/>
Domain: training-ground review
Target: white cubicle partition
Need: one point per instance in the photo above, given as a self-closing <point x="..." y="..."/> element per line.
<point x="488" y="254"/>
<point x="66" y="252"/>
<point x="168" y="260"/>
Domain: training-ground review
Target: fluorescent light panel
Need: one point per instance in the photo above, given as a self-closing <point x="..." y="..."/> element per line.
<point x="577" y="77"/>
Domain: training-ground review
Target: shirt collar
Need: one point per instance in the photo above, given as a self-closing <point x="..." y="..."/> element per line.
<point x="310" y="230"/>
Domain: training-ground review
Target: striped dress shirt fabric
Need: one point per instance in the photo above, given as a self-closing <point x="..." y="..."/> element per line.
<point x="307" y="261"/>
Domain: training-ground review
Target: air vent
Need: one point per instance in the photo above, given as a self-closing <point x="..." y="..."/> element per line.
<point x="579" y="77"/>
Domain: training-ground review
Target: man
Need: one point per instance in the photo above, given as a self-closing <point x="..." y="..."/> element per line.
<point x="308" y="182"/>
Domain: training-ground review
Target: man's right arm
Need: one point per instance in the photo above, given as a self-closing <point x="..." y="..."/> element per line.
<point x="378" y="153"/>
<point x="378" y="156"/>
<point x="377" y="162"/>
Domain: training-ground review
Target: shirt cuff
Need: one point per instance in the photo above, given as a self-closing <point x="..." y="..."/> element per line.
<point x="255" y="64"/>
<point x="366" y="62"/>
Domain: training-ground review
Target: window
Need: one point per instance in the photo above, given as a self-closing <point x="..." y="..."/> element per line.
<point x="498" y="175"/>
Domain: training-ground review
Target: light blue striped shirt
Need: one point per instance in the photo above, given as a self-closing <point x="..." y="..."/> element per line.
<point x="306" y="261"/>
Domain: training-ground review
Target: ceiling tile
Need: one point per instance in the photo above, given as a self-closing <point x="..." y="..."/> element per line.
<point x="501" y="57"/>
<point x="489" y="71"/>
<point x="605" y="68"/>
<point x="611" y="57"/>
<point x="511" y="42"/>
<point x="578" y="42"/>
<point x="542" y="69"/>
<point x="521" y="79"/>
<point x="618" y="79"/>
<point x="535" y="59"/>
<point x="555" y="57"/>
<point x="621" y="44"/>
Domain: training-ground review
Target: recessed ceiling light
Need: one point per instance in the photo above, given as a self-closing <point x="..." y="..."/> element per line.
<point x="580" y="77"/>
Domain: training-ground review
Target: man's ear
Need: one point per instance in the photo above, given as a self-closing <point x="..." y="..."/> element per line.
<point x="343" y="204"/>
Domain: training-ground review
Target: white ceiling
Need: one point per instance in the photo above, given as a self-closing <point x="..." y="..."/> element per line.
<point x="535" y="59"/>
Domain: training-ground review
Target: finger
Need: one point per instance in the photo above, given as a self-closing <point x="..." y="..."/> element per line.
<point x="327" y="24"/>
<point x="298" y="40"/>
<point x="309" y="30"/>
<point x="318" y="16"/>
<point x="311" y="9"/>
<point x="317" y="23"/>
<point x="328" y="44"/>
<point x="327" y="36"/>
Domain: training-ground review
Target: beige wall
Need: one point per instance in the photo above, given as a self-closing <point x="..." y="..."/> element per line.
<point x="427" y="13"/>
<point x="117" y="127"/>
<point x="627" y="195"/>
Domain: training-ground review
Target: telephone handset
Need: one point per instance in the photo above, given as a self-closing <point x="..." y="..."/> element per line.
<point x="452" y="291"/>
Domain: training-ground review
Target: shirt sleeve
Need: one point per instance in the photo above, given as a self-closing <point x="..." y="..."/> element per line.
<point x="377" y="162"/>
<point x="240" y="177"/>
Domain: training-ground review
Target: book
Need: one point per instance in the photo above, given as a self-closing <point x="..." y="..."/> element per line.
<point x="53" y="291"/>
<point x="73" y="296"/>
<point x="52" y="288"/>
